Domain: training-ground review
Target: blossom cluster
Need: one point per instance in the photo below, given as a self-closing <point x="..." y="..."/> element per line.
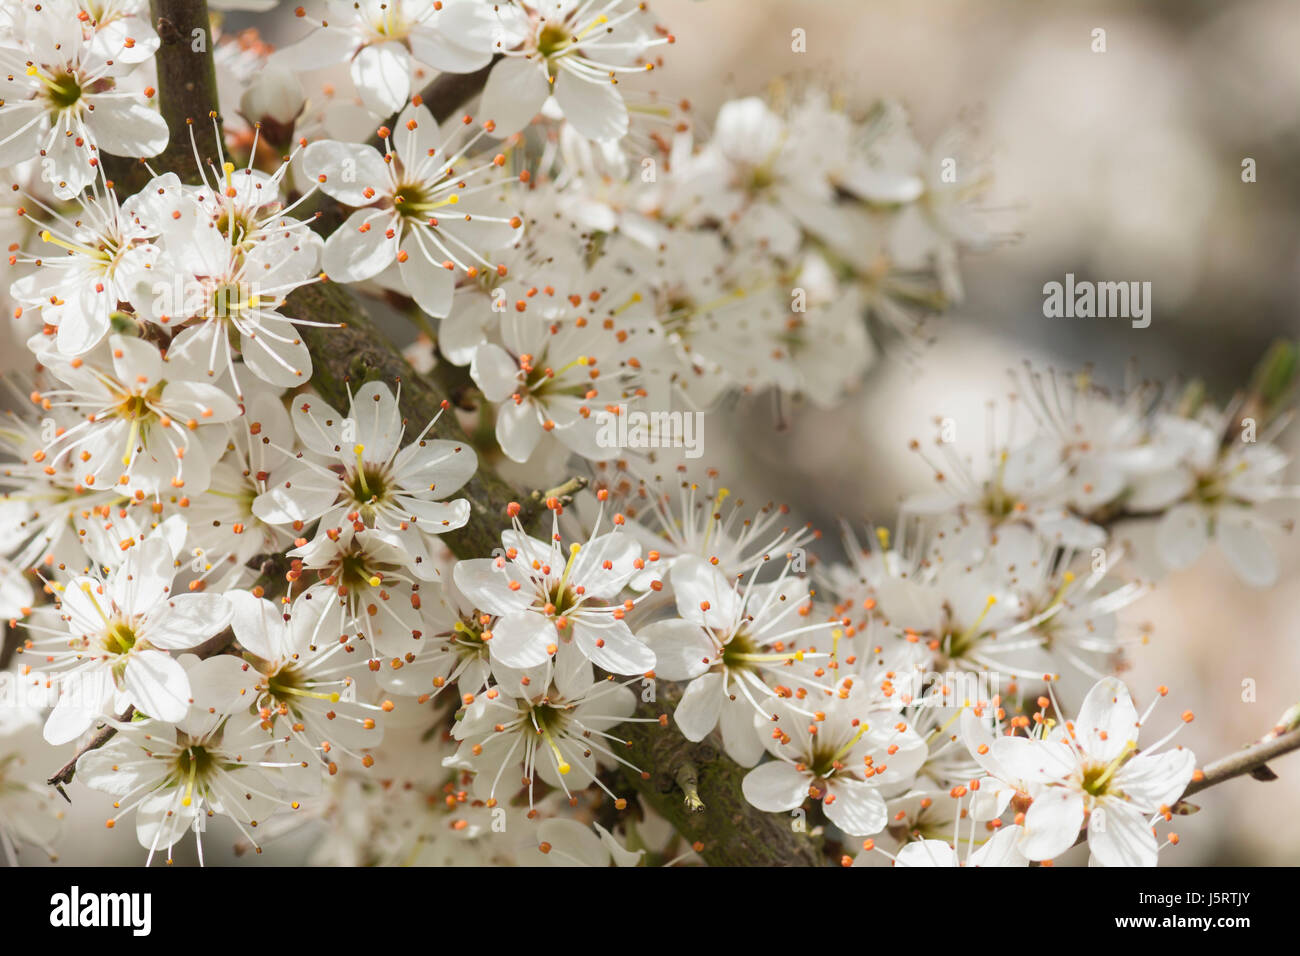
<point x="235" y="583"/>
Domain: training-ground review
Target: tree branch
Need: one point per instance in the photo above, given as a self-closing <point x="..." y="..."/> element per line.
<point x="448" y="92"/>
<point x="696" y="788"/>
<point x="187" y="95"/>
<point x="102" y="736"/>
<point x="1251" y="760"/>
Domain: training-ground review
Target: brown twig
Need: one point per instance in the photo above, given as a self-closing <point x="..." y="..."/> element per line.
<point x="1248" y="761"/>
<point x="187" y="95"/>
<point x="102" y="736"/>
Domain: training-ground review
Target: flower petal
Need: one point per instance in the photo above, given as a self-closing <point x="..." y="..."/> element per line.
<point x="775" y="787"/>
<point x="697" y="712"/>
<point x="1052" y="823"/>
<point x="514" y="93"/>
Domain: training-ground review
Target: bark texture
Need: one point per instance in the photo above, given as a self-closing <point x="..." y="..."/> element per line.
<point x="696" y="787"/>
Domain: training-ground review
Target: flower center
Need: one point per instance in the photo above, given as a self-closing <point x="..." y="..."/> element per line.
<point x="63" y="91"/>
<point x="119" y="638"/>
<point x="549" y="720"/>
<point x="193" y="765"/>
<point x="1096" y="780"/>
<point x="549" y="723"/>
<point x="368" y="484"/>
<point x="1209" y="489"/>
<point x="354" y="573"/>
<point x="283" y="684"/>
<point x="760" y="178"/>
<point x="136" y="407"/>
<point x="823" y="763"/>
<point x="552" y="39"/>
<point x="230" y="298"/>
<point x="391" y="24"/>
<point x="468" y="638"/>
<point x="957" y="643"/>
<point x="563" y="600"/>
<point x="412" y="201"/>
<point x="738" y="653"/>
<point x="289" y="686"/>
<point x="235" y="225"/>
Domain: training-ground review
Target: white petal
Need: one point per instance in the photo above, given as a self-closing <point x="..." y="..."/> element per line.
<point x="775" y="787"/>
<point x="1119" y="835"/>
<point x="522" y="639"/>
<point x="320" y="48"/>
<point x="157" y="685"/>
<point x="740" y="735"/>
<point x="1052" y="823"/>
<point x="318" y="424"/>
<point x="704" y="596"/>
<point x="855" y="806"/>
<point x="382" y="74"/>
<point x="698" y="710"/>
<point x="352" y="255"/>
<point x="573" y="674"/>
<point x="682" y="649"/>
<point x="495" y="372"/>
<point x="299" y="493"/>
<point x="1032" y="761"/>
<point x="348" y="171"/>
<point x="1002" y="849"/>
<point x="570" y="844"/>
<point x="926" y="853"/>
<point x="613" y="647"/>
<point x="518" y="430"/>
<point x="126" y="127"/>
<point x="513" y="94"/>
<point x="1152" y="781"/>
<point x="276" y="353"/>
<point x="594" y="108"/>
<point x="144" y="578"/>
<point x="258" y="625"/>
<point x="1182" y="535"/>
<point x="1241" y="536"/>
<point x="188" y="620"/>
<point x="435" y="467"/>
<point x="1107" y="721"/>
<point x="82" y="700"/>
<point x="378" y="421"/>
<point x="18" y="147"/>
<point x="488" y="586"/>
<point x="431" y="285"/>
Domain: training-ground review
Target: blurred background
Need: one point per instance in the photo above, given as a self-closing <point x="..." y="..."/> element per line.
<point x="1122" y="165"/>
